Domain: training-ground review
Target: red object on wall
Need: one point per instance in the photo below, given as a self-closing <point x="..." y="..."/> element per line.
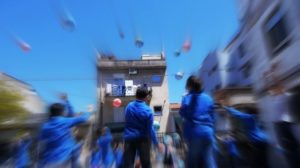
<point x="117" y="102"/>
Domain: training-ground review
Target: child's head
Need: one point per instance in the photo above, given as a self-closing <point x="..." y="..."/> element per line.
<point x="142" y="93"/>
<point x="56" y="109"/>
<point x="193" y="84"/>
<point x="105" y="131"/>
<point x="248" y="109"/>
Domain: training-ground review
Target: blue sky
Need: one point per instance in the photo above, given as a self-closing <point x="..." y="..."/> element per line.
<point x="63" y="61"/>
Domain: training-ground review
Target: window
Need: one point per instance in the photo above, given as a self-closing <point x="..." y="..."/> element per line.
<point x="214" y="69"/>
<point x="156" y="78"/>
<point x="294" y="105"/>
<point x="132" y="71"/>
<point x="232" y="85"/>
<point x="157" y="110"/>
<point x="246" y="70"/>
<point x="218" y="87"/>
<point x="277" y="32"/>
<point x="242" y="50"/>
<point x="118" y="85"/>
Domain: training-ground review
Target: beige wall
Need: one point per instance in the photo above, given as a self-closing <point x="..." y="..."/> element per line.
<point x="159" y="93"/>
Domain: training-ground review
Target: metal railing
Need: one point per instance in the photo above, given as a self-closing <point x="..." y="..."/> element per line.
<point x="122" y="90"/>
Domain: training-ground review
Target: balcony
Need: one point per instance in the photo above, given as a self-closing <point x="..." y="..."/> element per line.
<point x="113" y="90"/>
<point x="118" y="90"/>
<point x="125" y="64"/>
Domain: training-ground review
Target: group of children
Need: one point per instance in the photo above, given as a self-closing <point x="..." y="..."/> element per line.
<point x="104" y="156"/>
<point x="55" y="145"/>
<point x="245" y="147"/>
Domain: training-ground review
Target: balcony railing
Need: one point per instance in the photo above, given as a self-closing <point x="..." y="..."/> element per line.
<point x="121" y="90"/>
<point x="108" y="64"/>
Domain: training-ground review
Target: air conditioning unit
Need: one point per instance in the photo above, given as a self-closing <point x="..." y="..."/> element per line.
<point x="132" y="71"/>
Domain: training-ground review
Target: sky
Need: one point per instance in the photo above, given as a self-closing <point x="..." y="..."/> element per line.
<point x="64" y="61"/>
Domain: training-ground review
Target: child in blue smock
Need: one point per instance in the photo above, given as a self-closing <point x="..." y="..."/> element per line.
<point x="257" y="140"/>
<point x="21" y="152"/>
<point x="96" y="158"/>
<point x="69" y="111"/>
<point x="57" y="145"/>
<point x="198" y="117"/>
<point x="104" y="143"/>
<point x="118" y="152"/>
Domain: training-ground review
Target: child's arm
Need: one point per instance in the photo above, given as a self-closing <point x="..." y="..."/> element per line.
<point x="236" y="113"/>
<point x="152" y="132"/>
<point x="70" y="111"/>
<point x="183" y="109"/>
<point x="78" y="120"/>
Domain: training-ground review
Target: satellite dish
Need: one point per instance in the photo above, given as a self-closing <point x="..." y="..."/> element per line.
<point x="64" y="16"/>
<point x="67" y="21"/>
<point x="90" y="108"/>
<point x="24" y="46"/>
<point x="177" y="53"/>
<point x="179" y="75"/>
<point x="187" y="45"/>
<point x="139" y="43"/>
<point x="156" y="125"/>
<point x="121" y="34"/>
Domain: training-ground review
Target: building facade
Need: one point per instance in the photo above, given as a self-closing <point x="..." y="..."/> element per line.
<point x="33" y="104"/>
<point x="210" y="72"/>
<point x="32" y="101"/>
<point x="228" y="68"/>
<point x="263" y="52"/>
<point x="121" y="78"/>
<point x="271" y="30"/>
<point x="272" y="34"/>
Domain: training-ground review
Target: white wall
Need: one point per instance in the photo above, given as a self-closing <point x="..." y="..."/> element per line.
<point x="288" y="59"/>
<point x="210" y="79"/>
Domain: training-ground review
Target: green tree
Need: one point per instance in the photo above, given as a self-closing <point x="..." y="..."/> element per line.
<point x="11" y="104"/>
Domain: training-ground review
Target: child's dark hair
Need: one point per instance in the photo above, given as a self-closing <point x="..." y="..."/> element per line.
<point x="56" y="109"/>
<point x="248" y="109"/>
<point x="142" y="93"/>
<point x="194" y="84"/>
